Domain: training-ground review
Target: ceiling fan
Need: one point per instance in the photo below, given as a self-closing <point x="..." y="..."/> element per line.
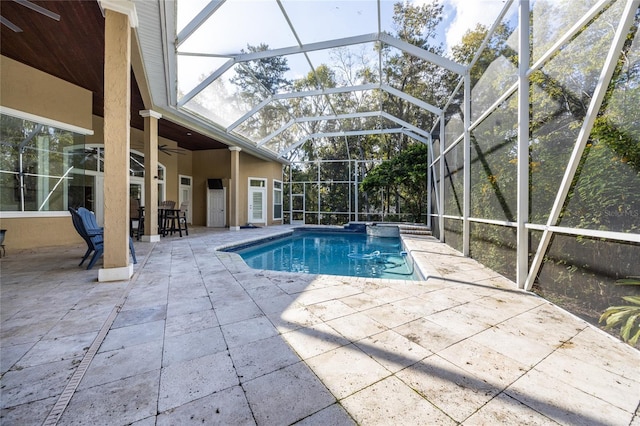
<point x="168" y="150"/>
<point x="26" y="3"/>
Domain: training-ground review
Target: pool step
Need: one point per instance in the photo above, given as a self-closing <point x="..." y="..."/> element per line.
<point x="414" y="230"/>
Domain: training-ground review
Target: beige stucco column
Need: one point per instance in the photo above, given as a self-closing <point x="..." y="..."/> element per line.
<point x="234" y="188"/>
<point x="150" y="175"/>
<point x="119" y="18"/>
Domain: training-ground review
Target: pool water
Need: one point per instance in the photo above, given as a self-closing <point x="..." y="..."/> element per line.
<point x="332" y="253"/>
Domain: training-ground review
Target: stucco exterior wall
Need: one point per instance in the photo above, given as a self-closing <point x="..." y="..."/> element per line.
<point x="25" y="233"/>
<point x="208" y="164"/>
<point x="252" y="167"/>
<point x="216" y="164"/>
<point x="31" y="91"/>
<point x="28" y="90"/>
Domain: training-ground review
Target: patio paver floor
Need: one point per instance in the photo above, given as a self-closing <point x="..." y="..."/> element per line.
<point x="198" y="337"/>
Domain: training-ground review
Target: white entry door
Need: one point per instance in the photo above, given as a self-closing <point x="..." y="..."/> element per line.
<point x="216" y="206"/>
<point x="257" y="200"/>
<point x="185" y="195"/>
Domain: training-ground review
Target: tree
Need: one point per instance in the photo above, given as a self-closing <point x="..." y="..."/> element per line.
<point x="405" y="174"/>
<point x="412" y="75"/>
<point x="257" y="80"/>
<point x="266" y="74"/>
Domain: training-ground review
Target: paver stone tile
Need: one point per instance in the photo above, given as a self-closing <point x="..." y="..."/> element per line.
<point x="246" y="331"/>
<point x="37" y="382"/>
<point x="392" y="350"/>
<point x="127" y="400"/>
<point x="334" y="414"/>
<point x="118" y="338"/>
<point x="450" y="388"/>
<point x="188" y="346"/>
<point x="392" y="402"/>
<point x="484" y="362"/>
<point x="187" y="381"/>
<point x="316" y="339"/>
<point x="504" y="410"/>
<point x="330" y="309"/>
<point x="261" y="357"/>
<point x="122" y="363"/>
<point x="27" y="414"/>
<point x="563" y="403"/>
<point x="286" y="395"/>
<point x="226" y="407"/>
<point x="346" y="370"/>
<point x="356" y="326"/>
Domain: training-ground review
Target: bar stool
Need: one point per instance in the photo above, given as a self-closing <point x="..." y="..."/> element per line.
<point x="182" y="218"/>
<point x="136" y="219"/>
<point x="176" y="219"/>
<point x="165" y="209"/>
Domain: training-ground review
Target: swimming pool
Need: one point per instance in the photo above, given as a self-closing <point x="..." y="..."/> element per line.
<point x="332" y="253"/>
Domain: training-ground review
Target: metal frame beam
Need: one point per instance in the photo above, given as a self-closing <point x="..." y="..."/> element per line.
<point x="197" y="21"/>
<point x="422" y="53"/>
<point x="404" y="124"/>
<point x="466" y="172"/>
<point x="329" y="44"/>
<point x="441" y="182"/>
<point x="522" y="235"/>
<point x="415" y="101"/>
<point x="571" y="32"/>
<point x="392" y="91"/>
<point x="291" y="95"/>
<point x="207" y="81"/>
<point x="317" y="118"/>
<point x="402" y="130"/>
<point x="311" y="47"/>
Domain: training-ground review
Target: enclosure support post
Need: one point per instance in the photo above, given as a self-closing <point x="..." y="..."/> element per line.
<point x="319" y="193"/>
<point x="355" y="174"/>
<point x="117" y="114"/>
<point x="234" y="184"/>
<point x="467" y="166"/>
<point x="150" y="175"/>
<point x="428" y="172"/>
<point x="290" y="194"/>
<point x="585" y="131"/>
<point x="522" y="249"/>
<point x="441" y="183"/>
<point x="350" y="191"/>
<point x="435" y="189"/>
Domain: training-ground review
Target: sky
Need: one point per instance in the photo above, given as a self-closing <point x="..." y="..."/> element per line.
<point x="240" y="22"/>
<point x="339" y="18"/>
<point x="462" y="15"/>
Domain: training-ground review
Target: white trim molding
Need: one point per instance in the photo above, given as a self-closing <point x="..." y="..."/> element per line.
<point x="126" y="7"/>
<point x="115" y="274"/>
<point x="43" y="120"/>
<point x="150" y="113"/>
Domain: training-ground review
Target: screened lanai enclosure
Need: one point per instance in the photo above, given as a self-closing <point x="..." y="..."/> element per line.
<point x="510" y="128"/>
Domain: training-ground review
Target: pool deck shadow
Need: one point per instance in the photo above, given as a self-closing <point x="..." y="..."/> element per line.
<point x="196" y="336"/>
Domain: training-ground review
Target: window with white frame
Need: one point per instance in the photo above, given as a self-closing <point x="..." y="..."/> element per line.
<point x="47" y="168"/>
<point x="37" y="171"/>
<point x="277" y="200"/>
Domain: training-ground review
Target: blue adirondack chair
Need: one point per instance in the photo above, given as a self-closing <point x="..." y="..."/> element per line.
<point x="85" y="223"/>
<point x="93" y="240"/>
